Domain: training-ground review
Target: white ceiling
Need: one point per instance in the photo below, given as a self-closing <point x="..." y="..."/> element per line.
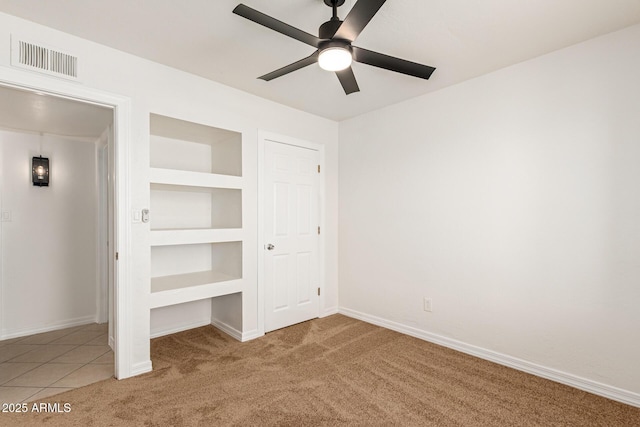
<point x="461" y="38"/>
<point x="34" y="112"/>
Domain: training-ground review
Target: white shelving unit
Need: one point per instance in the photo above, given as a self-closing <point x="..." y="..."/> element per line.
<point x="196" y="211"/>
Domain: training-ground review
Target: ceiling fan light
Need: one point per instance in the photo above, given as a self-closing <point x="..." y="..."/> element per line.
<point x="335" y="59"/>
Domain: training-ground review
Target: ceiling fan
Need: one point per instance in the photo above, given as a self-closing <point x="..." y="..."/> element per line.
<point x="334" y="49"/>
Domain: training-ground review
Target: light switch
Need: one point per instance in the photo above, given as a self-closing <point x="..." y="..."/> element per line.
<point x="6" y="216"/>
<point x="137" y="215"/>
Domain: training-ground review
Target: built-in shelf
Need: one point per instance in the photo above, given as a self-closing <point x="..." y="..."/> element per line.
<point x="186" y="237"/>
<point x="176" y="289"/>
<point x="223" y="258"/>
<point x="192" y="271"/>
<point x="186" y="146"/>
<point x="177" y="177"/>
<point x="196" y="211"/>
<point x="181" y="281"/>
<point x="191" y="207"/>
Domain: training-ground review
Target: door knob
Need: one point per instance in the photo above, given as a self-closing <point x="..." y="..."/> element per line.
<point x="270" y="247"/>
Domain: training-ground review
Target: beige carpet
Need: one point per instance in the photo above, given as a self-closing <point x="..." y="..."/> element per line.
<point x="331" y="371"/>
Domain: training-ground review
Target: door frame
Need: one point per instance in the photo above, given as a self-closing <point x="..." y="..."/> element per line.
<point x="102" y="274"/>
<point x="123" y="298"/>
<point x="264" y="136"/>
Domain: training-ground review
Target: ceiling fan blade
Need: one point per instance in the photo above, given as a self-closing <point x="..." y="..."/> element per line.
<point x="348" y="80"/>
<point x="391" y="63"/>
<point x="358" y="18"/>
<point x="291" y="67"/>
<point x="274" y="24"/>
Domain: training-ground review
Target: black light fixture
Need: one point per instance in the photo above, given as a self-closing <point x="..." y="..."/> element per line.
<point x="40" y="171"/>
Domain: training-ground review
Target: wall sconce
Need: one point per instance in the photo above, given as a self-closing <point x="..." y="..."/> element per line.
<point x="40" y="171"/>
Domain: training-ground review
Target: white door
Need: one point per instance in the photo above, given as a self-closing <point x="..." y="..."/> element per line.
<point x="291" y="228"/>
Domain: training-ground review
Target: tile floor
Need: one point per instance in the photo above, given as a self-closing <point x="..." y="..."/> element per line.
<point x="42" y="365"/>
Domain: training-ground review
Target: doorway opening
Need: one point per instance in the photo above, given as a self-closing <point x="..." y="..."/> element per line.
<point x="57" y="312"/>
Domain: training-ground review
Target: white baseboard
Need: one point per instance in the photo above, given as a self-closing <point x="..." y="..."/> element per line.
<point x="141" y="368"/>
<point x="63" y="324"/>
<point x="183" y="327"/>
<point x="227" y="329"/>
<point x="604" y="390"/>
<point x="329" y="311"/>
<point x="251" y="335"/>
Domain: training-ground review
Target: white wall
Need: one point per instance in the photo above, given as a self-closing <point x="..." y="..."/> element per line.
<point x="49" y="246"/>
<point x="513" y="201"/>
<point x="154" y="88"/>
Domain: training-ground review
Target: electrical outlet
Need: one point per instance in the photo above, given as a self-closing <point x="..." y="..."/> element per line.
<point x="427" y="304"/>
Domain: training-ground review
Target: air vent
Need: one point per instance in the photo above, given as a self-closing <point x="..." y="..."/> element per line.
<point x="44" y="59"/>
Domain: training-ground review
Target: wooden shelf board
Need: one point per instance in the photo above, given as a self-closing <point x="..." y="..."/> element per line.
<point x="194" y="179"/>
<point x="180" y="288"/>
<point x="195" y="236"/>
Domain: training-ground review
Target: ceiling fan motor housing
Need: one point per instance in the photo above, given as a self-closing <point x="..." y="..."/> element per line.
<point x="342" y="44"/>
<point x="329" y="28"/>
<point x="331" y="2"/>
